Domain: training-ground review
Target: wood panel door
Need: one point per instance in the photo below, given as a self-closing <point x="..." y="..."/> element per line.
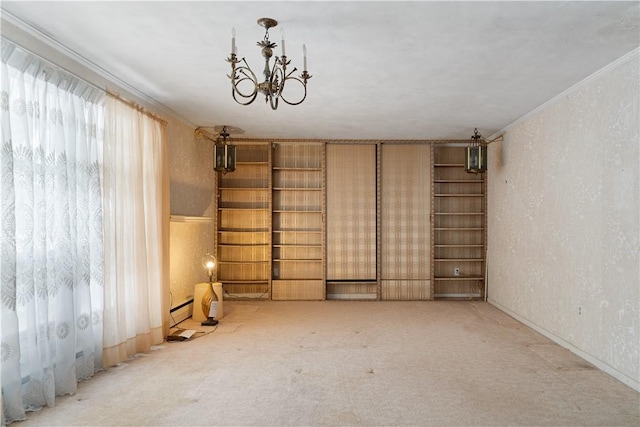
<point x="351" y="221"/>
<point x="405" y="222"/>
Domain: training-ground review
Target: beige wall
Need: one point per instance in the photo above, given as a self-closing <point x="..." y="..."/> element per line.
<point x="564" y="223"/>
<point x="191" y="172"/>
<point x="192" y="188"/>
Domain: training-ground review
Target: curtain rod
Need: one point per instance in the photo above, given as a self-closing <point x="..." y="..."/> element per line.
<point x="85" y="81"/>
<point x="136" y="107"/>
<point x="51" y="64"/>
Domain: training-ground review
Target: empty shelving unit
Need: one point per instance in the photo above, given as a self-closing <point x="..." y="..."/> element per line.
<point x="244" y="224"/>
<point x="459" y="227"/>
<point x="298" y="222"/>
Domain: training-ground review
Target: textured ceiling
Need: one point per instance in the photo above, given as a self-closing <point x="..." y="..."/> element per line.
<point x="383" y="70"/>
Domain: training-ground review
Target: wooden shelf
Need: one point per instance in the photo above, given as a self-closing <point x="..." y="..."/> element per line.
<point x="459" y="259"/>
<point x="459" y="195"/>
<point x="295" y="211"/>
<point x="458" y="278"/>
<point x="244" y="209"/>
<point x="244" y="188"/>
<point x="296" y="169"/>
<point x="458" y="181"/>
<point x="252" y="163"/>
<point x="242" y="245"/>
<point x="242" y="262"/>
<point x="457" y="246"/>
<point x="297" y="259"/>
<point x="297" y="231"/>
<point x="293" y="246"/>
<point x="459" y="213"/>
<point x="459" y="229"/>
<point x="297" y="189"/>
<point x="449" y="165"/>
<point x="244" y="282"/>
<point x="243" y="230"/>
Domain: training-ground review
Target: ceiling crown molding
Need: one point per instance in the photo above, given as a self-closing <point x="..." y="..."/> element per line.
<point x="89" y="65"/>
<point x="570" y="90"/>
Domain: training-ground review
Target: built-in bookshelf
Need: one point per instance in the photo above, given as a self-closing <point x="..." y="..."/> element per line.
<point x="314" y="221"/>
<point x="244" y="224"/>
<point x="459" y="226"/>
<point x="298" y="222"/>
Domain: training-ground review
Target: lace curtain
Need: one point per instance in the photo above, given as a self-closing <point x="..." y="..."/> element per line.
<point x="84" y="226"/>
<point x="52" y="243"/>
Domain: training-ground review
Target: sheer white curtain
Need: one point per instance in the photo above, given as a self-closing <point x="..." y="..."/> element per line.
<point x="51" y="241"/>
<point x="83" y="232"/>
<point x="133" y="228"/>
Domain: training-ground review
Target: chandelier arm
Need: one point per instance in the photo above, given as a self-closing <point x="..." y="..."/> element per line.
<point x="253" y="97"/>
<point x="304" y="85"/>
<point x="240" y="93"/>
<point x="291" y="72"/>
<point x="236" y="80"/>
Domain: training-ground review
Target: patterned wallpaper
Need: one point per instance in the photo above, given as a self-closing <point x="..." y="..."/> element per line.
<point x="564" y="221"/>
<point x="192" y="188"/>
<point x="191" y="172"/>
<point x="189" y="242"/>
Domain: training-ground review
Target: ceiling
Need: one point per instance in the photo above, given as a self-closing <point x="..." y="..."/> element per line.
<point x="381" y="70"/>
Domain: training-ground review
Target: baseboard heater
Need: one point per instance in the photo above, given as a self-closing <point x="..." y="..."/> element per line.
<point x="181" y="312"/>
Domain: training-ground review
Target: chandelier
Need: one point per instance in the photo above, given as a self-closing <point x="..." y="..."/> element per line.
<point x="245" y="86"/>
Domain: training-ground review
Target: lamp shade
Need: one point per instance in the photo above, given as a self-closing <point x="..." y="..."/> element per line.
<point x="475" y="159"/>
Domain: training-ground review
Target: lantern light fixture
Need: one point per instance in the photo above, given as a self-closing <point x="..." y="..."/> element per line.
<point x="475" y="154"/>
<point x="224" y="154"/>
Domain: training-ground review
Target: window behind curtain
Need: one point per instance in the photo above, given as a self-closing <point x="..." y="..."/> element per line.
<point x="52" y="245"/>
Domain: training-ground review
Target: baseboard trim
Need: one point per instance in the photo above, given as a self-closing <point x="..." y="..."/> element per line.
<point x="620" y="376"/>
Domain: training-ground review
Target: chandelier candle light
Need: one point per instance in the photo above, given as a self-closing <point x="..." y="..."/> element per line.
<point x="275" y="76"/>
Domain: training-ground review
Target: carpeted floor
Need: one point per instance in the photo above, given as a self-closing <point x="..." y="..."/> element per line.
<point x="341" y="363"/>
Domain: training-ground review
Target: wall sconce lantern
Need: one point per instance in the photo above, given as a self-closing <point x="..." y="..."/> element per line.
<point x="475" y="154"/>
<point x="224" y="154"/>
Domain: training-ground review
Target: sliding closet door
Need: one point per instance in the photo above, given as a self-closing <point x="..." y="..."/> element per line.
<point x="351" y="221"/>
<point x="405" y="222"/>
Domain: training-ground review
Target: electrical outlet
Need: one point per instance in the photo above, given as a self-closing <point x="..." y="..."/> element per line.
<point x="456" y="271"/>
<point x="579" y="311"/>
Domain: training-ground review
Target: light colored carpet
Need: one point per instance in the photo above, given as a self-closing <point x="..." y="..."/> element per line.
<point x="352" y="363"/>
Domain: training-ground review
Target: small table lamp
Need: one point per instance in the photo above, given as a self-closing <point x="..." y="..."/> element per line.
<point x="210" y="263"/>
